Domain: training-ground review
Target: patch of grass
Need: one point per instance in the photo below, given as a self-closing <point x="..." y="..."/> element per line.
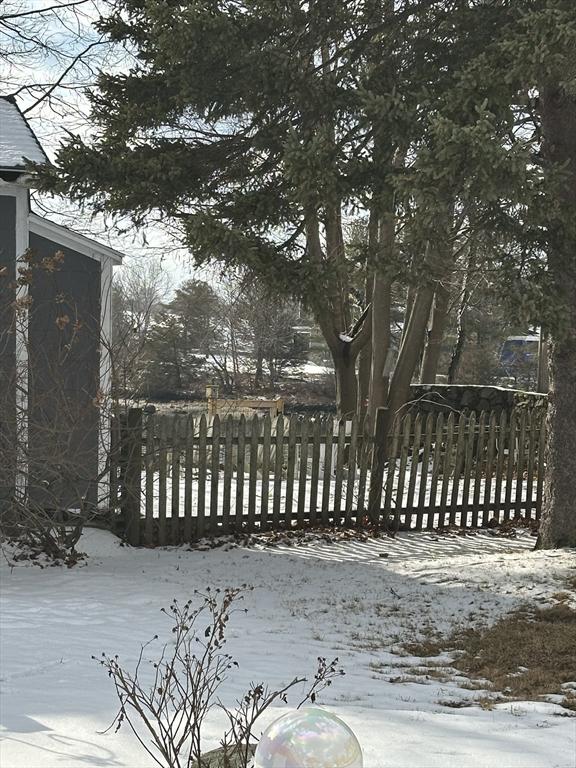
<point x="571" y="582"/>
<point x="562" y="597"/>
<point x="570" y="700"/>
<point x="484" y="702"/>
<point x="525" y="655"/>
<point x="424" y="648"/>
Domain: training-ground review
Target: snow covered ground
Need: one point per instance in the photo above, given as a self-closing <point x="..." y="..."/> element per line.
<point x="351" y="599"/>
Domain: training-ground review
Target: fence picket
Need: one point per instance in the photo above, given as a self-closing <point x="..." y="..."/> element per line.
<point x="532" y="438"/>
<point x="394" y="443"/>
<point x="468" y="464"/>
<point x="240" y="470"/>
<point x="404" y="450"/>
<point x="520" y="465"/>
<point x="510" y="465"/>
<point x="421" y="504"/>
<point x="188" y="476"/>
<point x="278" y="471"/>
<point x="162" y="481"/>
<point x="266" y="441"/>
<point x="446" y="470"/>
<point x="326" y="483"/>
<point x="253" y="471"/>
<point x="351" y="477"/>
<point x="476" y="504"/>
<point x="202" y="470"/>
<point x="364" y="446"/>
<point x="541" y="456"/>
<point x="414" y="465"/>
<point x="459" y="459"/>
<point x="149" y="461"/>
<point x="302" y="472"/>
<point x="114" y="469"/>
<point x="131" y="476"/>
<point x="436" y="464"/>
<point x="227" y="480"/>
<point x="290" y="470"/>
<point x="339" y="470"/>
<point x="175" y="486"/>
<point x="487" y="505"/>
<point x="500" y="456"/>
<point x="313" y="505"/>
<point x="214" y="475"/>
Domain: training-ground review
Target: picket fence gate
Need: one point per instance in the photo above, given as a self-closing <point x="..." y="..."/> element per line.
<point x="175" y="479"/>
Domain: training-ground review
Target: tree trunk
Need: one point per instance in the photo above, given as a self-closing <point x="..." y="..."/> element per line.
<point x="382" y="235"/>
<point x="410" y="294"/>
<point x="409" y="355"/>
<point x="381" y="298"/>
<point x="543" y="383"/>
<point x="461" y="327"/>
<point x="435" y="336"/>
<point x="259" y="373"/>
<point x="458" y="348"/>
<point x="346" y="381"/>
<point x="365" y="360"/>
<point x="364" y="367"/>
<point x="558" y="524"/>
<point x="332" y="309"/>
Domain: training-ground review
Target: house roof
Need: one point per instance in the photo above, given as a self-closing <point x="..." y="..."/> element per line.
<point x="17" y="140"/>
<point x="67" y="238"/>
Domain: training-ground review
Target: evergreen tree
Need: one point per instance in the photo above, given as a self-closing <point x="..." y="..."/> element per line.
<point x="260" y="126"/>
<point x="532" y="209"/>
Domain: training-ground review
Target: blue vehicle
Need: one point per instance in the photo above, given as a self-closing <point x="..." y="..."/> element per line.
<point x="519" y="353"/>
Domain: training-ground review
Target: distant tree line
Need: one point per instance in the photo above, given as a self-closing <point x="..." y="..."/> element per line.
<point x="238" y="334"/>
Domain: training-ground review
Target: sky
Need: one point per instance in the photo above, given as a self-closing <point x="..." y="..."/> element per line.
<point x="29" y="68"/>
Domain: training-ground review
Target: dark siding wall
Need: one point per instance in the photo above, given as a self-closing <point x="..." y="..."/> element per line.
<point x="7" y="343"/>
<point x="64" y="373"/>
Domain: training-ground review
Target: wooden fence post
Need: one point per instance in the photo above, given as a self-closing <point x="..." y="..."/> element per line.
<point x="132" y="475"/>
<point x="378" y="465"/>
<point x="114" y="463"/>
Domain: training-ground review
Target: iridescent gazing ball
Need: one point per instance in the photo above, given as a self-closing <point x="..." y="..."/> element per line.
<point x="308" y="738"/>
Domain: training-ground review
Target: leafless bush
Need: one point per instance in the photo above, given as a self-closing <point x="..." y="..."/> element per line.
<point x="39" y="532"/>
<point x="186" y="679"/>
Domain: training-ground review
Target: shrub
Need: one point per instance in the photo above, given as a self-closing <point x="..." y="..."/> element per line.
<point x="186" y="677"/>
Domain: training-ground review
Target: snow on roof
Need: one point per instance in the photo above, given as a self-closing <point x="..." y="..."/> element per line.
<point x="17" y="140"/>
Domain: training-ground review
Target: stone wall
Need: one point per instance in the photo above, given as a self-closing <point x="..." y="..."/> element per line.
<point x="471" y="397"/>
<point x="428" y="398"/>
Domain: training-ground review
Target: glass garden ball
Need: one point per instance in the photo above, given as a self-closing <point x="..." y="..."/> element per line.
<point x="308" y="738"/>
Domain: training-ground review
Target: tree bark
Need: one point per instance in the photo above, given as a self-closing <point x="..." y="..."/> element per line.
<point x="346" y="381"/>
<point x="409" y="351"/>
<point x="381" y="298"/>
<point x="461" y="336"/>
<point x="259" y="373"/>
<point x="435" y="336"/>
<point x="365" y="361"/>
<point x="332" y="309"/>
<point x="543" y="382"/>
<point x="385" y="231"/>
<point x="558" y="523"/>
<point x="410" y="295"/>
<point x="382" y="233"/>
<point x="364" y="367"/>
